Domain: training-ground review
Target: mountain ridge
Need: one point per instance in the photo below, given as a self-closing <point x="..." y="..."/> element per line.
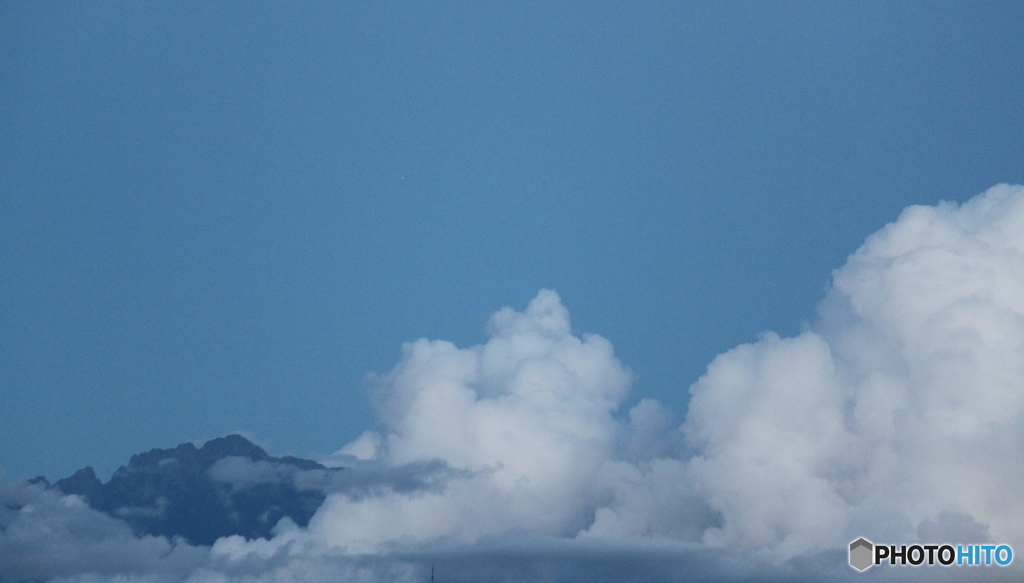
<point x="172" y="493"/>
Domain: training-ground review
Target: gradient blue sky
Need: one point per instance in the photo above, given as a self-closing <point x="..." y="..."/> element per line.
<point x="220" y="216"/>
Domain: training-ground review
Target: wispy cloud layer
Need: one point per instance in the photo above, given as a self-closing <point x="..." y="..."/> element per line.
<point x="898" y="415"/>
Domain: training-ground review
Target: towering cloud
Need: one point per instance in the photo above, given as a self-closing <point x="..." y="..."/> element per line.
<point x="898" y="416"/>
<point x="529" y="414"/>
<point x="902" y="410"/>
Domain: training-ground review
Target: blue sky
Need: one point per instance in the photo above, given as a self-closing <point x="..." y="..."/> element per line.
<point x="220" y="217"/>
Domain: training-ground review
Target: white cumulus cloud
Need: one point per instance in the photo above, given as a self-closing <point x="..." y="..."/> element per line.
<point x="529" y="413"/>
<point x="905" y="402"/>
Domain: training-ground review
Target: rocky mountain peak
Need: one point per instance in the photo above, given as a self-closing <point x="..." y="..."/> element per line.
<point x="171" y="492"/>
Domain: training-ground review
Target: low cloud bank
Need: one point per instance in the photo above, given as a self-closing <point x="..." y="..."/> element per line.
<point x="898" y="416"/>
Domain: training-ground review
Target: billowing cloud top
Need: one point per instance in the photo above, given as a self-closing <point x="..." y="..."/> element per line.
<point x="900" y="414"/>
<point x="529" y="413"/>
<point x="897" y="416"/>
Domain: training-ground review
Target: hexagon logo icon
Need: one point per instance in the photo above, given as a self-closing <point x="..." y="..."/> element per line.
<point x="861" y="551"/>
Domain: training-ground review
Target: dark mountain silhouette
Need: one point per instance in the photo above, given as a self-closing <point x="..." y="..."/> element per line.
<point x="170" y="492"/>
